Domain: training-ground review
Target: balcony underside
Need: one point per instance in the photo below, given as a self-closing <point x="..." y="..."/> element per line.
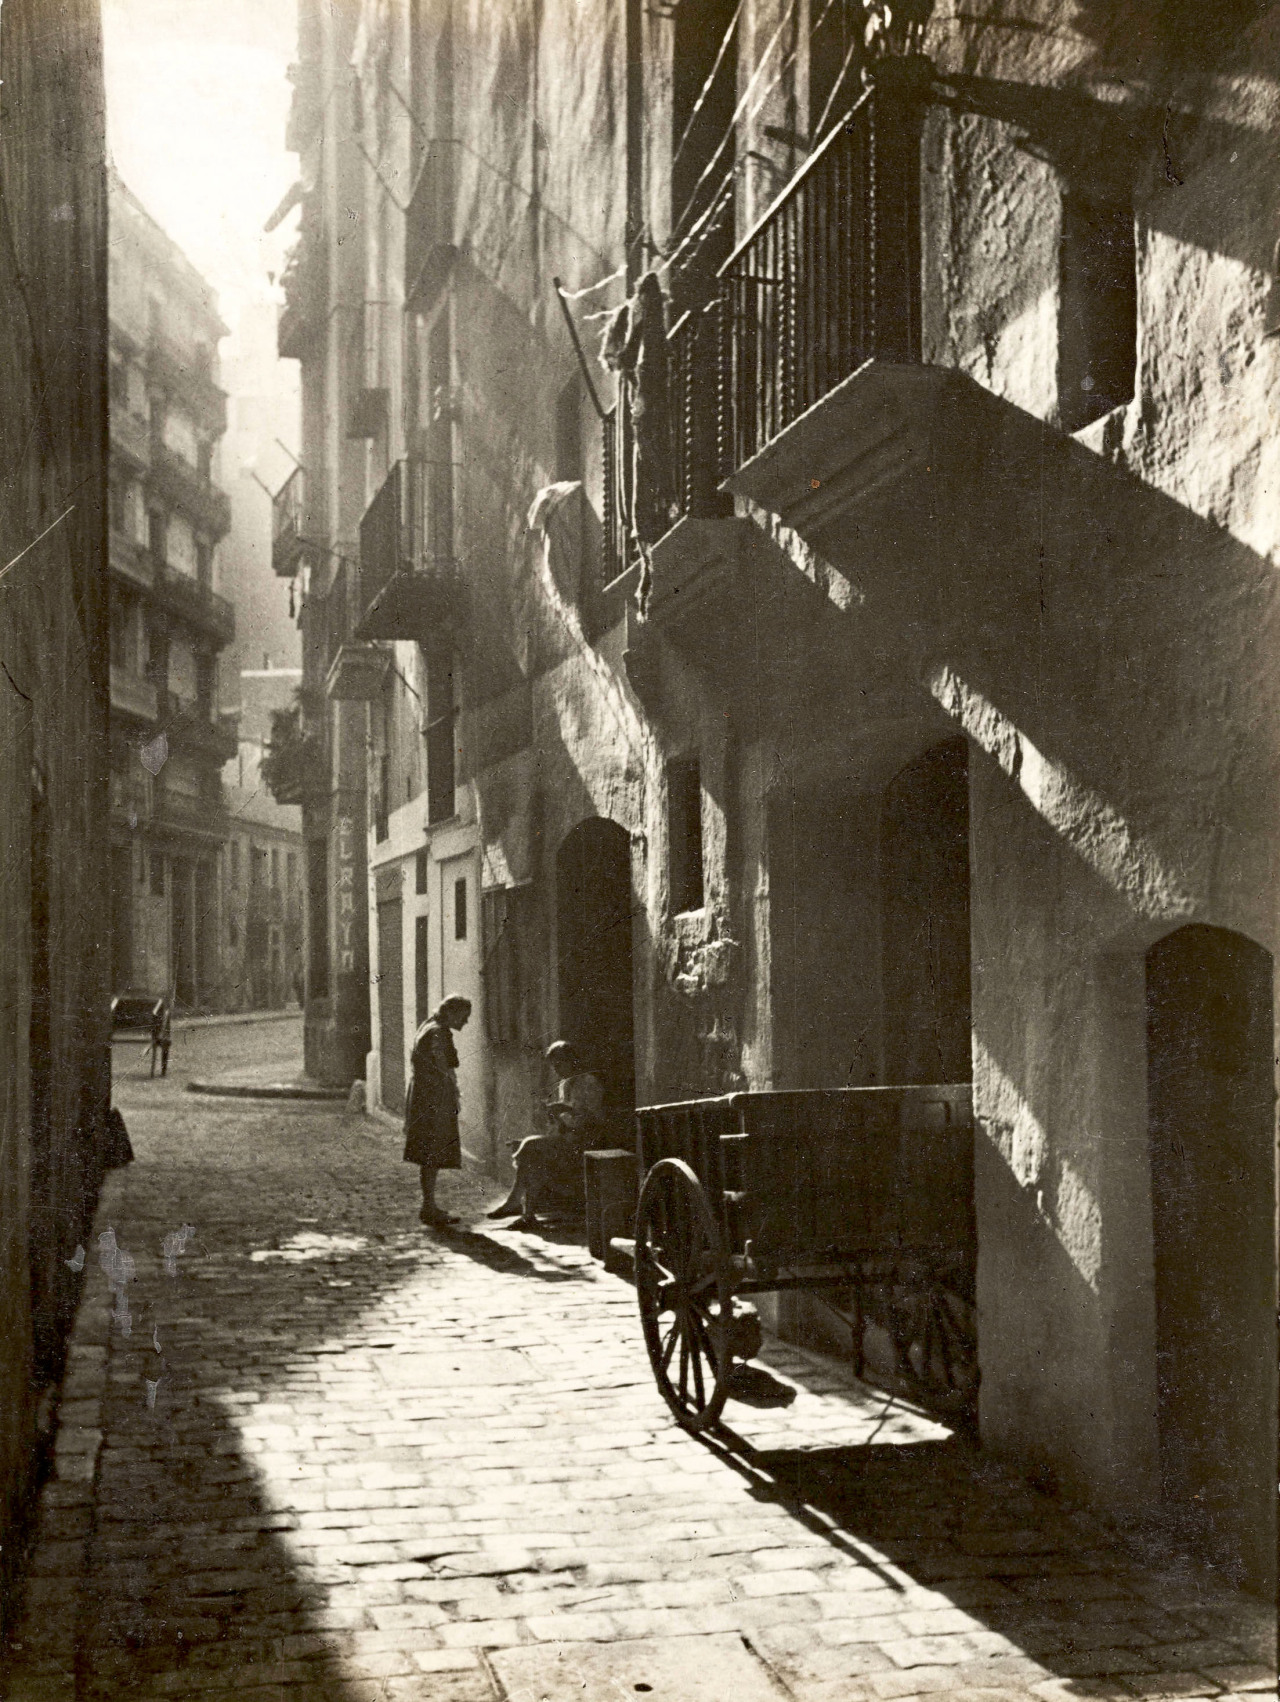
<point x="865" y="449"/>
<point x="415" y="606"/>
<point x="357" y="673"/>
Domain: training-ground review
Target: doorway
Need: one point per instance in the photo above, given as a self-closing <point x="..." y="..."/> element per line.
<point x="593" y="933"/>
<point x="391" y="998"/>
<point x="1211" y="1110"/>
<point x="924" y="858"/>
<point x="457" y="908"/>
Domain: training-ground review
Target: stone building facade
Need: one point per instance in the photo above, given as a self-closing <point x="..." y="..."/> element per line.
<point x="54" y="944"/>
<point x="168" y="619"/>
<point x="262" y="861"/>
<point x="909" y="714"/>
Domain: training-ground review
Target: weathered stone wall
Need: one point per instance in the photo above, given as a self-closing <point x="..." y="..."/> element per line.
<point x="54" y="954"/>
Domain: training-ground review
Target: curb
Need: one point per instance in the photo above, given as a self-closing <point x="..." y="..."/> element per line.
<point x="268" y="1090"/>
<point x="233" y="1019"/>
<point x="53" y="1595"/>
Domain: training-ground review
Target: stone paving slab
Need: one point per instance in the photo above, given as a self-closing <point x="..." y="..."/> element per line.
<point x="311" y="1449"/>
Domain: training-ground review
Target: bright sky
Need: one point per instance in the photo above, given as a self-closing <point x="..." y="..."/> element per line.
<point x="197" y="100"/>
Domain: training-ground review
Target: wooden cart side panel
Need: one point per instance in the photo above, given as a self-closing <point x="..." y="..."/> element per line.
<point x="858" y="1169"/>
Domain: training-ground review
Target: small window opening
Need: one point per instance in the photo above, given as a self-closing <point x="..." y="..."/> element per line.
<point x="420" y="873"/>
<point x="684" y="816"/>
<point x="460" y="909"/>
<point x="1098" y="311"/>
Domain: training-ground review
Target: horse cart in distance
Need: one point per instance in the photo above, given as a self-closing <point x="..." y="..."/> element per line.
<point x="145" y="1018"/>
<point x="863" y="1194"/>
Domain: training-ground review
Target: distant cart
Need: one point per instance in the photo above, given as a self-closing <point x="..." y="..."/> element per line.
<point x="863" y="1190"/>
<point x="145" y="1018"/>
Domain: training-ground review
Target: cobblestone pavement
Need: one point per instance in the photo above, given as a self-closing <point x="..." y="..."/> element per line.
<point x="310" y="1449"/>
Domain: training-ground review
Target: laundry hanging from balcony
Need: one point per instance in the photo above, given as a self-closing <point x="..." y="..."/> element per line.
<point x="635" y="347"/>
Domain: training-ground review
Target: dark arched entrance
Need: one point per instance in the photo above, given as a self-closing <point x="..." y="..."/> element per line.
<point x="924" y="862"/>
<point x="1210" y="1117"/>
<point x="593" y="914"/>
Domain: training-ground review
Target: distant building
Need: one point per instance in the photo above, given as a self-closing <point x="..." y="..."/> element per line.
<point x="168" y="620"/>
<point x="262" y="873"/>
<point x="256" y="454"/>
<point x="54" y="1060"/>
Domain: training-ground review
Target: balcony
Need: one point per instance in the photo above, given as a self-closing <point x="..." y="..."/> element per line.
<point x="825" y="403"/>
<point x="305" y="282"/>
<point x="194" y="603"/>
<point x="183" y="814"/>
<point x="132" y="794"/>
<point x="131" y="562"/>
<point x="132" y="695"/>
<point x="288" y="552"/>
<point x="131" y="438"/>
<point x="187" y="371"/>
<point x="190" y="491"/>
<point x="429" y="248"/>
<point x="354" y="671"/>
<point x="410" y="584"/>
<point x="191" y="728"/>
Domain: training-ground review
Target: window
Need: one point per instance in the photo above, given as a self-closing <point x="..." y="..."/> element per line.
<point x="684" y="829"/>
<point x="420" y="865"/>
<point x="835" y="36"/>
<point x="703" y="139"/>
<point x="155" y="533"/>
<point x="421" y="966"/>
<point x="235" y="861"/>
<point x="275" y="865"/>
<point x="441" y="765"/>
<point x="118" y="389"/>
<point x="500" y="917"/>
<point x="460" y="909"/>
<point x="1097" y="310"/>
<point x="382" y="801"/>
<point x="204" y="565"/>
<point x="291" y="868"/>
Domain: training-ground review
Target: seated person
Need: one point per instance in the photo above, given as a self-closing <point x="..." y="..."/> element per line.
<point x="549" y="1167"/>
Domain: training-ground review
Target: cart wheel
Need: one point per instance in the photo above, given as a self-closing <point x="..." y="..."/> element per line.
<point x="685" y="1293"/>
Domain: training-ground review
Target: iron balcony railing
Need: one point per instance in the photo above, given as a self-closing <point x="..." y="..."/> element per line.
<point x="430" y="510"/>
<point x="694" y="390"/>
<point x="617" y="544"/>
<point x="384" y="536"/>
<point x="287" y="507"/>
<point x="195" y="603"/>
<point x="830" y="276"/>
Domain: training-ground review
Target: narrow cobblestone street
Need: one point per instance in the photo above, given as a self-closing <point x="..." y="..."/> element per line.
<point x="311" y="1449"/>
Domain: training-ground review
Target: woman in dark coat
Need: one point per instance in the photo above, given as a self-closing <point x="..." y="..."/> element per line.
<point x="431" y="1107"/>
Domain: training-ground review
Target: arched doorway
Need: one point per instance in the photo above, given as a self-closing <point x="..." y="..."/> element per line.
<point x="593" y="933"/>
<point x="924" y="862"/>
<point x="1210" y="1110"/>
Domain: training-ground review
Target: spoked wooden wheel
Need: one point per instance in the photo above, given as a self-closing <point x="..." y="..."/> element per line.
<point x="685" y="1293"/>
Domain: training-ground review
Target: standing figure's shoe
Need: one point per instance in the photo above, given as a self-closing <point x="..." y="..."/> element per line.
<point x="435" y="1217"/>
<point x="506" y="1209"/>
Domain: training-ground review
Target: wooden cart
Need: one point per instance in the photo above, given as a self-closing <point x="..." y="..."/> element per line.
<point x="862" y="1190"/>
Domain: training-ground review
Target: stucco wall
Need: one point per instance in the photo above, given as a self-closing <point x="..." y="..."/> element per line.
<point x="53" y="707"/>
